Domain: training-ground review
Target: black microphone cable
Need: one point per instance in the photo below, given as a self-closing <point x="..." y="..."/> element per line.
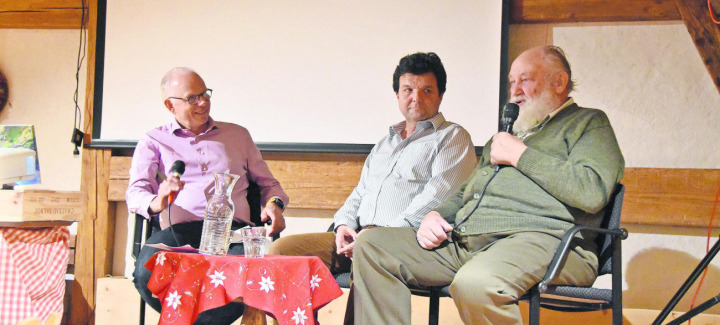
<point x="177" y="243"/>
<point x="509" y="115"/>
<point x="177" y="169"/>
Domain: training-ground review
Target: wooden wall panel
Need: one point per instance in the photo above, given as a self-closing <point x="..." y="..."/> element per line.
<point x="654" y="196"/>
<point x="45" y="14"/>
<point x="119" y="169"/>
<point x="572" y="11"/>
<point x="83" y="290"/>
<point x="671" y="197"/>
<point x="317" y="181"/>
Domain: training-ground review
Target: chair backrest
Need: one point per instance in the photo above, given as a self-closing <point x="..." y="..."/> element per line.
<point x="611" y="220"/>
<point x="253" y="198"/>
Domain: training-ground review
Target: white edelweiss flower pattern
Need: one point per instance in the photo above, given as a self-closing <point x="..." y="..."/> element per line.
<point x="217" y="278"/>
<point x="315" y="282"/>
<point x="173" y="299"/>
<point x="266" y="284"/>
<point x="160" y="259"/>
<point x="299" y="316"/>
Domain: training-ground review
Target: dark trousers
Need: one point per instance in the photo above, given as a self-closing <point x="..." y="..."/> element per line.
<point x="187" y="233"/>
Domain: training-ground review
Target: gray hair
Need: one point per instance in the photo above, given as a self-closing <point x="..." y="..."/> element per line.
<point x="555" y="56"/>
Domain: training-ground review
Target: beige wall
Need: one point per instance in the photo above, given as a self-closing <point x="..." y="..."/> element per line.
<point x="40" y="67"/>
<point x="647" y="77"/>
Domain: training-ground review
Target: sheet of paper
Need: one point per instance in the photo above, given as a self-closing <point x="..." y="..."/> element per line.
<point x="183" y="249"/>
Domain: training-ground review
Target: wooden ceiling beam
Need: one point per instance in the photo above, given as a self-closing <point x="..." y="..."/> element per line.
<point x="42" y="14"/>
<point x="65" y="14"/>
<point x="705" y="34"/>
<point x="572" y="11"/>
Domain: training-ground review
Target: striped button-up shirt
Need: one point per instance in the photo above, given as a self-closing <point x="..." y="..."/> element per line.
<point x="404" y="179"/>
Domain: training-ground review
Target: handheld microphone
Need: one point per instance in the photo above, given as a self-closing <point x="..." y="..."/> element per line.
<point x="177" y="169"/>
<point x="509" y="115"/>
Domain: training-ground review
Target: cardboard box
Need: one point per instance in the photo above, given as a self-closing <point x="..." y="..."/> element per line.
<point x="41" y="205"/>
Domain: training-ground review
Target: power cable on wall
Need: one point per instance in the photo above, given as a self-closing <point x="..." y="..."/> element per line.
<point x="77" y="135"/>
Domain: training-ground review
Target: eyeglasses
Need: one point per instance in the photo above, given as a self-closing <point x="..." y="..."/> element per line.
<point x="195" y="99"/>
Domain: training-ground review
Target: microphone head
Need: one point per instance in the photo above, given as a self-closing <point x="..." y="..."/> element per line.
<point x="177" y="168"/>
<point x="511" y="111"/>
<point x="509" y="114"/>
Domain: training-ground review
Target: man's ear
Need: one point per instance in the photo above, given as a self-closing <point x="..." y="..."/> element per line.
<point x="560" y="83"/>
<point x="169" y="105"/>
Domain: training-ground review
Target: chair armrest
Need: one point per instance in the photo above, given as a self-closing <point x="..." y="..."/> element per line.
<point x="564" y="249"/>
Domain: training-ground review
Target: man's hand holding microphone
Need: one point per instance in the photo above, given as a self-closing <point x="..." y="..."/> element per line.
<point x="168" y="189"/>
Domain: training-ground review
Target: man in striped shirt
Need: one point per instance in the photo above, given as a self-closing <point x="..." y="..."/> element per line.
<point x="413" y="169"/>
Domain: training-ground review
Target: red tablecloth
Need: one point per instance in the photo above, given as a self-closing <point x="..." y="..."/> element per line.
<point x="289" y="288"/>
<point x="33" y="263"/>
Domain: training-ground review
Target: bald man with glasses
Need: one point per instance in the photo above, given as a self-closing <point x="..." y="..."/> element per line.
<point x="206" y="146"/>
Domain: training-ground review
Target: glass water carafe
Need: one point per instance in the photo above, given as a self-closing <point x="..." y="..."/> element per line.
<point x="219" y="214"/>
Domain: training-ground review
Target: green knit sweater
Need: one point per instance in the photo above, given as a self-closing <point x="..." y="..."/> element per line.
<point x="565" y="177"/>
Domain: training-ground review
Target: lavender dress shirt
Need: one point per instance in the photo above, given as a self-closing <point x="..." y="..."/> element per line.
<point x="224" y="147"/>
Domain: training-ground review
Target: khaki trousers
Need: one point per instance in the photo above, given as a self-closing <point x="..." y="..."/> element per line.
<point x="486" y="273"/>
<point x="320" y="244"/>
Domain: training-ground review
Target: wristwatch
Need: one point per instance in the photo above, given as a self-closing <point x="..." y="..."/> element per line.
<point x="277" y="202"/>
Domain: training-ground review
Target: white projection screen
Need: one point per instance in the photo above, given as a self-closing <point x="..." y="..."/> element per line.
<point x="296" y="72"/>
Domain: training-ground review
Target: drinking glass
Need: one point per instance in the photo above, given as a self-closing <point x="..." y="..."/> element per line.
<point x="254" y="239"/>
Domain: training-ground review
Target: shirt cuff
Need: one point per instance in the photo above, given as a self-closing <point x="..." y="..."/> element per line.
<point x="145" y="207"/>
<point x="352" y="224"/>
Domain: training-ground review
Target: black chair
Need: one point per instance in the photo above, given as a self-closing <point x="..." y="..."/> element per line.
<point x="144" y="228"/>
<point x="571" y="298"/>
<point x="561" y="297"/>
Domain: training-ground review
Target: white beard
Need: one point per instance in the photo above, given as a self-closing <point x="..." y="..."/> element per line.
<point x="533" y="111"/>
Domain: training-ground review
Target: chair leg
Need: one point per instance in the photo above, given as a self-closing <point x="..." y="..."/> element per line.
<point x="617" y="305"/>
<point x="434" y="313"/>
<point x="534" y="312"/>
<point x="142" y="312"/>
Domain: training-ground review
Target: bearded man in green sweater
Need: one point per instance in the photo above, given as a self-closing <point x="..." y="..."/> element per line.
<point x="494" y="239"/>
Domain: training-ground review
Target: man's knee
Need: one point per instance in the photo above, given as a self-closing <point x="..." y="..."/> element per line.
<point x="281" y="246"/>
<point x="141" y="275"/>
<point x="484" y="288"/>
<point x="364" y="242"/>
